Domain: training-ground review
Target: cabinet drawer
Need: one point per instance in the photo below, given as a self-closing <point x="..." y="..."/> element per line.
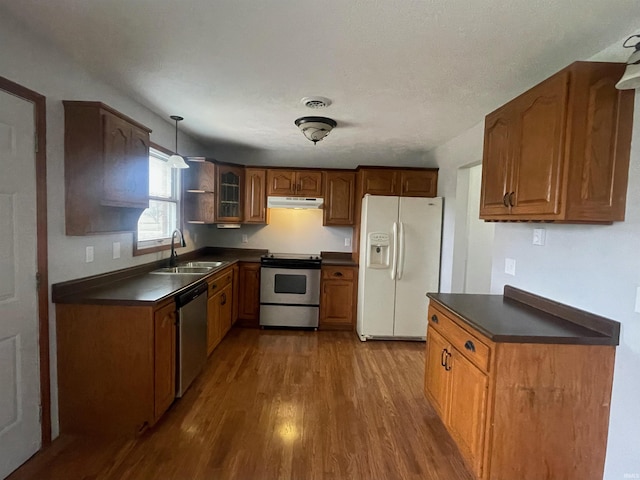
<point x="338" y="273"/>
<point x="465" y="342"/>
<point x="218" y="283"/>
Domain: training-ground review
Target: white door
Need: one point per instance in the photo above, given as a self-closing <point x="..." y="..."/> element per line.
<point x="420" y="237"/>
<point x="20" y="434"/>
<point x="376" y="287"/>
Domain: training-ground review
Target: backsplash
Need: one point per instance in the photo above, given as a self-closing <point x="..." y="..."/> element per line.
<point x="289" y="231"/>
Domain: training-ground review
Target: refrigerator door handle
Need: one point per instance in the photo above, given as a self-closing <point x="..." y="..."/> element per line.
<point x="394" y="262"/>
<point x="401" y="253"/>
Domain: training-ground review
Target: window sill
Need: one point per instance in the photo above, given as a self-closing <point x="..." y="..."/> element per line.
<point x="159" y="247"/>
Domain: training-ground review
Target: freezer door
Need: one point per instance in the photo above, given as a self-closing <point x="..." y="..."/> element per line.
<point x="376" y="288"/>
<point x="419" y="242"/>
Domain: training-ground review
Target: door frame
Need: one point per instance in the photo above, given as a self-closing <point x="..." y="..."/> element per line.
<point x="40" y="119"/>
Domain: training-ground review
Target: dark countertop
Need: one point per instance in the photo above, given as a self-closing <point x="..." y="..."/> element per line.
<point x="138" y="286"/>
<point x="338" y="259"/>
<point x="505" y="319"/>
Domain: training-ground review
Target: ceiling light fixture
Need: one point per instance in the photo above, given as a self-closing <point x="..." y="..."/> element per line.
<point x="631" y="78"/>
<point x="315" y="128"/>
<point x="175" y="160"/>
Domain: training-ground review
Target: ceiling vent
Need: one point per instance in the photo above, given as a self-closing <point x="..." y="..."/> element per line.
<point x="315" y="102"/>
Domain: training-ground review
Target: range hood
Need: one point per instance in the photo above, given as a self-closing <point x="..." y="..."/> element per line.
<point x="294" y="202"/>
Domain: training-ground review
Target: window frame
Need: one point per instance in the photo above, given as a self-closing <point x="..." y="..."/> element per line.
<point x="159" y="245"/>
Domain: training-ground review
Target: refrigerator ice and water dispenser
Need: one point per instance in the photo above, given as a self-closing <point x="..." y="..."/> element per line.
<point x="378" y="250"/>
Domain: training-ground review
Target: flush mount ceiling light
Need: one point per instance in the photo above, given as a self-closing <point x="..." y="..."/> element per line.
<point x="315" y="128"/>
<point x="175" y="160"/>
<point x="631" y="78"/>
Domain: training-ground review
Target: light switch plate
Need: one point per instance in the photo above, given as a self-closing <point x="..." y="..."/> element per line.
<point x="347" y="241"/>
<point x="539" y="236"/>
<point x="509" y="266"/>
<point x="638" y="300"/>
<point x="116" y="250"/>
<point x="245" y="239"/>
<point x="88" y="254"/>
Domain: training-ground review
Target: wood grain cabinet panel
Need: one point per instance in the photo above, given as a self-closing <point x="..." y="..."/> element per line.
<point x="249" y="294"/>
<point x="229" y="193"/>
<point x="164" y="359"/>
<point x="339" y="200"/>
<point x="255" y="196"/>
<point x="219" y="308"/>
<point x="418" y="183"/>
<point x="300" y="183"/>
<point x="532" y="411"/>
<point x="106" y="169"/>
<point x="338" y="297"/>
<point x="379" y="181"/>
<point x="560" y="151"/>
<point x="116" y="367"/>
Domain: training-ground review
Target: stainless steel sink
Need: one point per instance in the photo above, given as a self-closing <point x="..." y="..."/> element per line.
<point x="183" y="270"/>
<point x="203" y="264"/>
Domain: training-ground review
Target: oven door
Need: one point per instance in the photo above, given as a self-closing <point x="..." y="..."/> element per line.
<point x="289" y="286"/>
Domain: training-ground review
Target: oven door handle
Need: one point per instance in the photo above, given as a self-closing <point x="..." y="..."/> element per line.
<point x="394" y="261"/>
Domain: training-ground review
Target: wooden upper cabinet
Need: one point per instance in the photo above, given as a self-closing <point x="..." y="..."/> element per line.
<point x="301" y="183"/>
<point x="255" y="197"/>
<point x="106" y="169"/>
<point x="560" y="151"/>
<point x="418" y="183"/>
<point x="379" y="181"/>
<point x="414" y="182"/>
<point x="229" y="193"/>
<point x="339" y="199"/>
<point x="198" y="183"/>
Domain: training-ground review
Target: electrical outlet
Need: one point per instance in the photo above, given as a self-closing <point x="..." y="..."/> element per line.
<point x="88" y="254"/>
<point x="539" y="235"/>
<point x="509" y="266"/>
<point x="347" y="241"/>
<point x="637" y="300"/>
<point x="245" y="239"/>
<point x="116" y="250"/>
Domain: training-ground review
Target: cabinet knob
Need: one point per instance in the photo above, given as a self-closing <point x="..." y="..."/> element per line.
<point x="511" y="202"/>
<point x="337" y="274"/>
<point x="470" y="346"/>
<point x="505" y="199"/>
<point x="434" y="318"/>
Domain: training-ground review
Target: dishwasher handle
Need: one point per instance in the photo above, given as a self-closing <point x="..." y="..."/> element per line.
<point x="191" y="294"/>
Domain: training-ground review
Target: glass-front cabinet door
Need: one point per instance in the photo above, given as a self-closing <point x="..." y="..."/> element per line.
<point x="229" y="193"/>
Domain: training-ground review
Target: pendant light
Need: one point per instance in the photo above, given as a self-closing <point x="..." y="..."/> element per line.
<point x="175" y="160"/>
<point x="631" y="78"/>
<point x="315" y="128"/>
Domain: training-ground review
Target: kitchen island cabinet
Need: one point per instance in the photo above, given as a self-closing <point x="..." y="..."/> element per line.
<point x="521" y="383"/>
<point x="116" y="366"/>
<point x="560" y="151"/>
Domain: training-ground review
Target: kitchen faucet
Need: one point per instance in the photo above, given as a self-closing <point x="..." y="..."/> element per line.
<point x="174" y="255"/>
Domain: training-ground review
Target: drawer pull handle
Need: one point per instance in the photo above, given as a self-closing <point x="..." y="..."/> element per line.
<point x="434" y="319"/>
<point x="337" y="274"/>
<point x="470" y="346"/>
<point x="443" y="358"/>
<point x="447" y="365"/>
<point x="224" y="299"/>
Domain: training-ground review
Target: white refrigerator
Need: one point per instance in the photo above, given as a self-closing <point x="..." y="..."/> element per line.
<point x="400" y="240"/>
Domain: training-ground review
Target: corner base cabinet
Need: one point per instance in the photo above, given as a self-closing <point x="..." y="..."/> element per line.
<point x="116" y="367"/>
<point x="519" y="410"/>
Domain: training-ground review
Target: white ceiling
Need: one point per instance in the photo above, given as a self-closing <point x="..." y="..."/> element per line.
<point x="404" y="75"/>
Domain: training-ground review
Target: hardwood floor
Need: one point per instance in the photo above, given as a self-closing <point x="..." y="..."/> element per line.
<point x="281" y="405"/>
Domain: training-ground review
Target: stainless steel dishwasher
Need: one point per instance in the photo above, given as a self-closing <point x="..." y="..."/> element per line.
<point x="192" y="336"/>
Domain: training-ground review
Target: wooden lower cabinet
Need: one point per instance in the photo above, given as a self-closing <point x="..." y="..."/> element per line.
<point x="219" y="308"/>
<point x="249" y="294"/>
<point x="116" y="367"/>
<point x="519" y="410"/>
<point x="338" y="297"/>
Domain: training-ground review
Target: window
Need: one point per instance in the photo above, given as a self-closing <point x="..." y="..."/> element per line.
<point x="157" y="222"/>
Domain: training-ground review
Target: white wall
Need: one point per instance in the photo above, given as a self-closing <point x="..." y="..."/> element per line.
<point x="26" y="60"/>
<point x="289" y="231"/>
<point x="595" y="268"/>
